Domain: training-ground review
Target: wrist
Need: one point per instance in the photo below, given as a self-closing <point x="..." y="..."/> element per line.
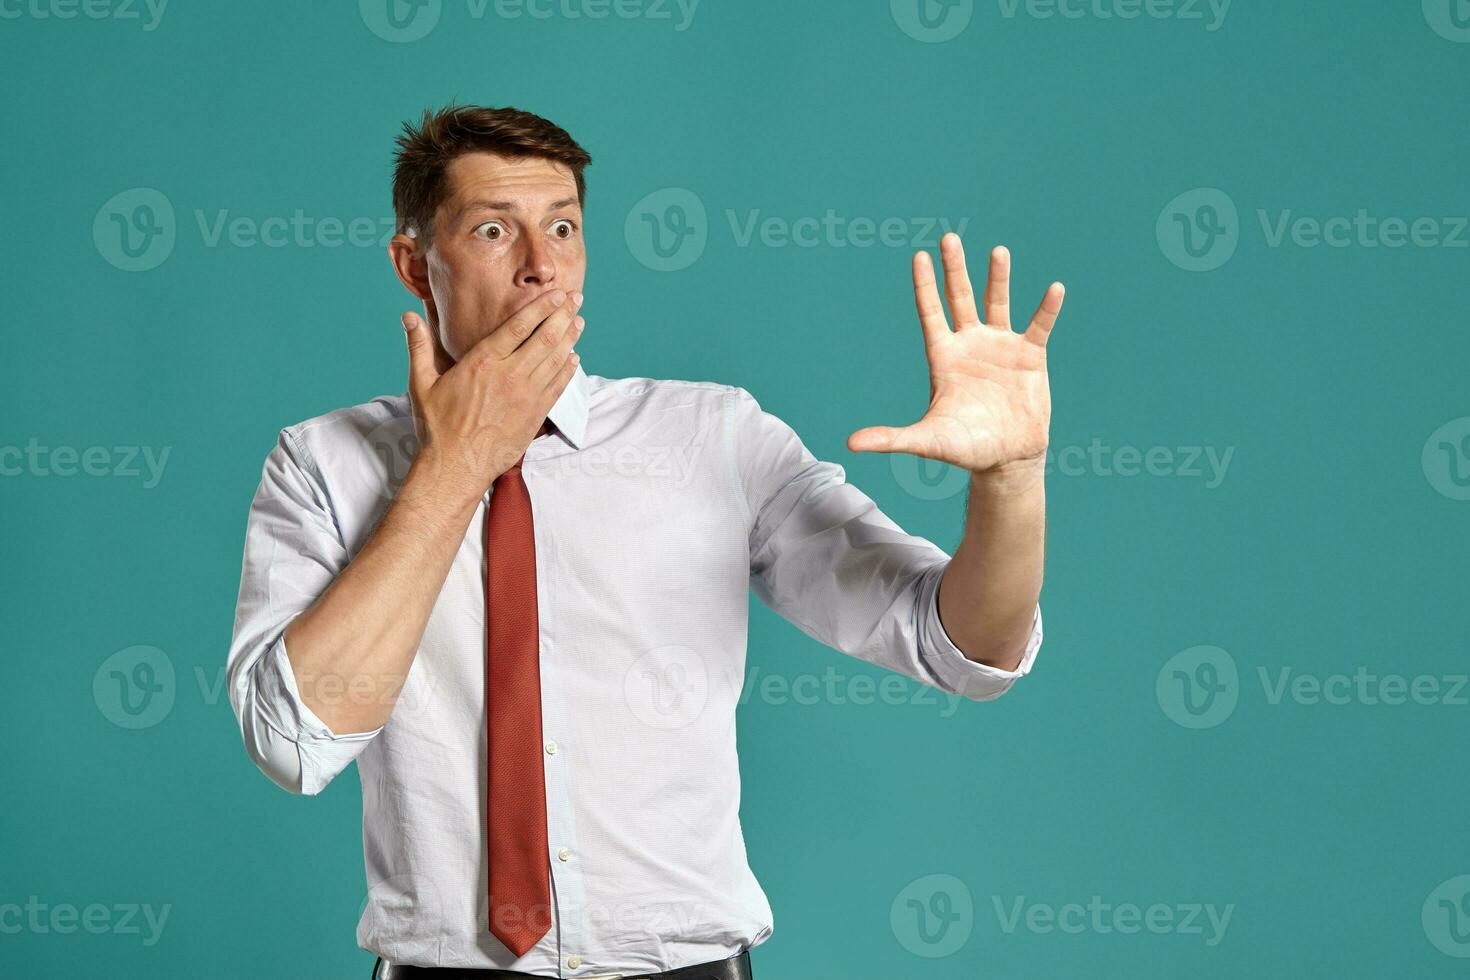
<point x="446" y="481"/>
<point x="1011" y="477"/>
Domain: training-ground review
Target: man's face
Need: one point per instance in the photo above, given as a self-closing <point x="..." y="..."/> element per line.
<point x="510" y="229"/>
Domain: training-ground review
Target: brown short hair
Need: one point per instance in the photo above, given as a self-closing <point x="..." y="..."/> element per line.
<point x="424" y="153"/>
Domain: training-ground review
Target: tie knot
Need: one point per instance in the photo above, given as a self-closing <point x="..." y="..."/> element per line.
<point x="545" y="428"/>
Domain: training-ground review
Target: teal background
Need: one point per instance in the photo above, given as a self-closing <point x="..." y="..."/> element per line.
<point x="1328" y="546"/>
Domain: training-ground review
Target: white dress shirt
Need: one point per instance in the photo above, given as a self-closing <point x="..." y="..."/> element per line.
<point x="657" y="504"/>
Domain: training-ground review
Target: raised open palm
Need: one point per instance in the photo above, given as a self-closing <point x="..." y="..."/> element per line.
<point x="989" y="399"/>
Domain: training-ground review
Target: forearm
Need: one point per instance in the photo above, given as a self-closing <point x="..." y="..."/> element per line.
<point x="989" y="592"/>
<point x="351" y="650"/>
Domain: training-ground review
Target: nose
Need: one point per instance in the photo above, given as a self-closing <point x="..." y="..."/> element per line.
<point x="537" y="267"/>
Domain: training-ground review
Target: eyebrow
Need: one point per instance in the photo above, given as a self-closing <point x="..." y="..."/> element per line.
<point x="509" y="206"/>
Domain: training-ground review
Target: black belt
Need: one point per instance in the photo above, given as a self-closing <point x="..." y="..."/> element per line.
<point x="735" y="968"/>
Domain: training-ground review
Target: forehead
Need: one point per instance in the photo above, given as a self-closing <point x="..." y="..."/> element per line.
<point x="527" y="181"/>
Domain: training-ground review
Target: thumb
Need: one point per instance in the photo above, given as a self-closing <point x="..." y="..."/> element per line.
<point x="874" y="439"/>
<point x="421" y="370"/>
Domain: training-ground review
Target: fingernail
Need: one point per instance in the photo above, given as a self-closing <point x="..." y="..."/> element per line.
<point x="558" y="297"/>
<point x="577" y="298"/>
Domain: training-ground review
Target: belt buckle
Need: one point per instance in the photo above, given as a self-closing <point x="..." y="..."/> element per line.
<point x="603" y="976"/>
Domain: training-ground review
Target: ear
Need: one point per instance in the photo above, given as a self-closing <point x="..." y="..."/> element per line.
<point x="410" y="261"/>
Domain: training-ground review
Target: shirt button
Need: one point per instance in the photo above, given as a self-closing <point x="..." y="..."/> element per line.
<point x="564" y="853"/>
<point x="550" y="747"/>
<point x="573" y="962"/>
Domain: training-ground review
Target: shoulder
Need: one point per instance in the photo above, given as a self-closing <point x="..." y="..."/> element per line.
<point x="345" y="433"/>
<point x="658" y="390"/>
<point x="758" y="438"/>
<point x="642" y="405"/>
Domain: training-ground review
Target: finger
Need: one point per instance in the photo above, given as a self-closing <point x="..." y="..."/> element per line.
<point x="926" y="299"/>
<point x="558" y="381"/>
<point x="421" y="370"/>
<point x="547" y="371"/>
<point x="957" y="283"/>
<point x="506" y="339"/>
<point x="564" y="376"/>
<point x="1046" y="314"/>
<point x="998" y="288"/>
<point x="882" y="439"/>
<point x="546" y="341"/>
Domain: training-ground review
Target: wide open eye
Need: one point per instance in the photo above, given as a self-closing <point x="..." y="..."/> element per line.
<point x="564" y="229"/>
<point x="491" y="231"/>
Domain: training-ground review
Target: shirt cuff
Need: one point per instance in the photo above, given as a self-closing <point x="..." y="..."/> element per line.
<point x="961" y="675"/>
<point x="322" y="752"/>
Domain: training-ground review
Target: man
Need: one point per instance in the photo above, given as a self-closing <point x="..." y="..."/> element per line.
<point x="517" y="595"/>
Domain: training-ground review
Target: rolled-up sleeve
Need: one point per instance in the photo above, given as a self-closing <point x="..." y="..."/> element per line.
<point x="293" y="550"/>
<point x="824" y="557"/>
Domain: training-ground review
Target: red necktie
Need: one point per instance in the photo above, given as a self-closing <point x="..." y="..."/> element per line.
<point x="520" y="887"/>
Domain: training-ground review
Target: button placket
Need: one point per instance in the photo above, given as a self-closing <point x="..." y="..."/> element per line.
<point x="568" y="894"/>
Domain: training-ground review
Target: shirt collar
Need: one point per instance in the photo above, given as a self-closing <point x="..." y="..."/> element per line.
<point x="569" y="414"/>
